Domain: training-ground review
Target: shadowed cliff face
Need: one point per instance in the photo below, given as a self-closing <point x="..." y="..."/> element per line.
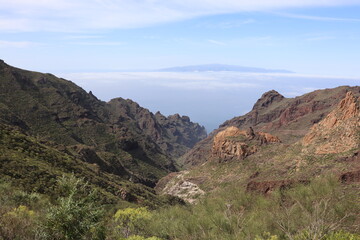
<point x="174" y="134"/>
<point x="288" y="118"/>
<point x="339" y="131"/>
<point x="119" y="137"/>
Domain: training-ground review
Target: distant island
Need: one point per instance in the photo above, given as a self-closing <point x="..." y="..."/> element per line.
<point x="222" y="68"/>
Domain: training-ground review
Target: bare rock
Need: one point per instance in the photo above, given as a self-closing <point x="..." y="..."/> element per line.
<point x="338" y="131"/>
<point x="233" y="143"/>
<point x="177" y="184"/>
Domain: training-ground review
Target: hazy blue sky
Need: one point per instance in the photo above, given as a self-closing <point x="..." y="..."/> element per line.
<point x="102" y="37"/>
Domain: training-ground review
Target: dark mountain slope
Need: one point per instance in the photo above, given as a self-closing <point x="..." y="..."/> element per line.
<point x="35" y="165"/>
<point x="174" y="134"/>
<point x="118" y="140"/>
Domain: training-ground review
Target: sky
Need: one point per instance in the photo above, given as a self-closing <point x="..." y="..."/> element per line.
<point x="103" y="44"/>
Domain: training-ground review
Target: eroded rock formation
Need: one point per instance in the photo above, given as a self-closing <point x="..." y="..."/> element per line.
<point x="338" y="131"/>
<point x="234" y="143"/>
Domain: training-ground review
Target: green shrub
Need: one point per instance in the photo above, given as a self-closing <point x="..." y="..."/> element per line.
<point x="18" y="223"/>
<point x="342" y="236"/>
<point x="75" y="216"/>
<point x="310" y="212"/>
<point x="130" y="221"/>
<point x="267" y="236"/>
<point x="314" y="211"/>
<point x="136" y="237"/>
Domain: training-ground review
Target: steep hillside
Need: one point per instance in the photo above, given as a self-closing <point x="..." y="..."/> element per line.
<point x="35" y="165"/>
<point x="287" y="118"/>
<point x="118" y="138"/>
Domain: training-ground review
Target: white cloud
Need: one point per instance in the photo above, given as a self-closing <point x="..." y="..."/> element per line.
<point x="216" y="42"/>
<point x="15" y="44"/>
<point x="186" y="81"/>
<point x="84" y="15"/>
<point x="320" y="38"/>
<point x="227" y="24"/>
<point x="99" y="43"/>
<point x="318" y="18"/>
<point x="219" y="81"/>
<point x="83" y="37"/>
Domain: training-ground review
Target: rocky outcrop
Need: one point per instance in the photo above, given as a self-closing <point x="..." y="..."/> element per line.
<point x="268" y="99"/>
<point x="232" y="143"/>
<point x="178" y="185"/>
<point x="339" y="131"/>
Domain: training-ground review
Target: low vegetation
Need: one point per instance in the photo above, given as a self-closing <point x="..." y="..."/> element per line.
<point x="323" y="209"/>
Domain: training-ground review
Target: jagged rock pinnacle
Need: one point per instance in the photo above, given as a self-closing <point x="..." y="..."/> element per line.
<point x="267" y="99"/>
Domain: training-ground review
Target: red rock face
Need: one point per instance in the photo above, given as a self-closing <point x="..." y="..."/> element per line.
<point x="339" y="130"/>
<point x="232" y="143"/>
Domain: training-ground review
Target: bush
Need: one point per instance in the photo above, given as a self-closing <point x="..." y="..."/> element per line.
<point x="342" y="236"/>
<point x="75" y="215"/>
<point x="19" y="223"/>
<point x="130" y="221"/>
<point x="314" y="211"/>
<point x="136" y="237"/>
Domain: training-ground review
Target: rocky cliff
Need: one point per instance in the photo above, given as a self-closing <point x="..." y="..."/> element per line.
<point x="339" y="131"/>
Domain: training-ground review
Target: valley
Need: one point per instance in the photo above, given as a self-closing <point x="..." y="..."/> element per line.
<point x="288" y="169"/>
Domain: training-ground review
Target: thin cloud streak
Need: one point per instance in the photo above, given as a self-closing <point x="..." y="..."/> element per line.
<point x="216" y="42"/>
<point x="81" y="15"/>
<point x="320" y="38"/>
<point x="99" y="43"/>
<point x="15" y="44"/>
<point x="318" y="18"/>
<point x="83" y="37"/>
<point x="226" y="24"/>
